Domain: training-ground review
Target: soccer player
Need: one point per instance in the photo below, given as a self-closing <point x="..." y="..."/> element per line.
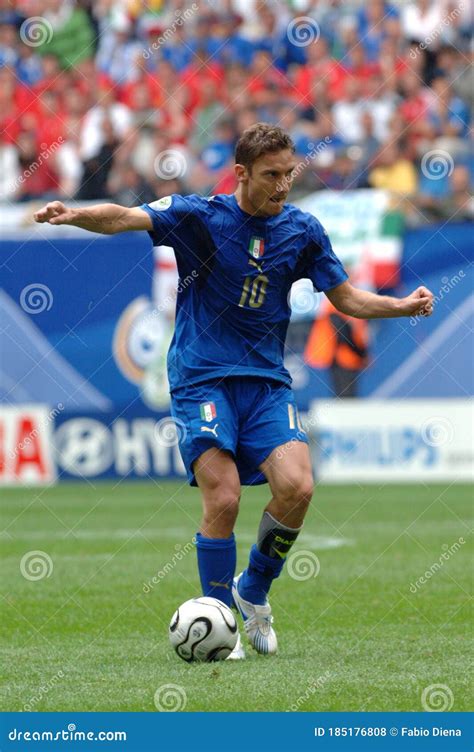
<point x="229" y="388"/>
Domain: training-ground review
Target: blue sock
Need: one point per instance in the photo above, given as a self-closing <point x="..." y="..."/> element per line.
<point x="216" y="562"/>
<point x="258" y="577"/>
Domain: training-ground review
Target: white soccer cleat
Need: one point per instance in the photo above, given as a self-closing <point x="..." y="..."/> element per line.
<point x="238" y="653"/>
<point x="257" y="622"/>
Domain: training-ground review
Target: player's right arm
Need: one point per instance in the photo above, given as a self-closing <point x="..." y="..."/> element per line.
<point x="107" y="219"/>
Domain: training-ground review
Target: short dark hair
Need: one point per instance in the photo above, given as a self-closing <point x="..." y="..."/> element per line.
<point x="260" y="139"/>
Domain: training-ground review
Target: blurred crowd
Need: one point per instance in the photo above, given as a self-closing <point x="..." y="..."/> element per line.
<point x="132" y="100"/>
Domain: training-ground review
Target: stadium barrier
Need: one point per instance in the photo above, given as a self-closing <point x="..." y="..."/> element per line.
<point x="351" y="440"/>
<point x="392" y="440"/>
<point x="38" y="447"/>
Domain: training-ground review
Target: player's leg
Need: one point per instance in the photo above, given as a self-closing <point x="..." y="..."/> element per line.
<point x="218" y="480"/>
<point x="275" y="439"/>
<point x="288" y="471"/>
<point x="208" y="438"/>
<point x="289" y="474"/>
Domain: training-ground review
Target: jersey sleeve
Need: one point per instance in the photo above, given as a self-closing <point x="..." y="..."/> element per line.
<point x="179" y="222"/>
<point x="168" y="215"/>
<point x="318" y="262"/>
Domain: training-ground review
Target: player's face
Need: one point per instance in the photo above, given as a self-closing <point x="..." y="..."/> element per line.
<point x="267" y="184"/>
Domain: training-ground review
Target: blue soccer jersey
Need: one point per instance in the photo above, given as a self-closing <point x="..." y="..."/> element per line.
<point x="236" y="272"/>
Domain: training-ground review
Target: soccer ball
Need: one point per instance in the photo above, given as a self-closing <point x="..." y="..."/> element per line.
<point x="203" y="629"/>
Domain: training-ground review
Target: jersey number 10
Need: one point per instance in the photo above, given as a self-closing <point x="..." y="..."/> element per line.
<point x="254" y="291"/>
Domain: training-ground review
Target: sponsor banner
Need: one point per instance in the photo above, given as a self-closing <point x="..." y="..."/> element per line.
<point x="351" y="440"/>
<point x="118" y="445"/>
<point x="26" y="455"/>
<point x="392" y="440"/>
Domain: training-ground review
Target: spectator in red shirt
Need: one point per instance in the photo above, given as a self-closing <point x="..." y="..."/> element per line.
<point x="415" y="97"/>
<point x="143" y="93"/>
<point x="320" y="67"/>
<point x="202" y="67"/>
<point x="262" y="71"/>
<point x="236" y="93"/>
<point x="413" y="109"/>
<point x="9" y="107"/>
<point x="38" y="176"/>
<point x="356" y="66"/>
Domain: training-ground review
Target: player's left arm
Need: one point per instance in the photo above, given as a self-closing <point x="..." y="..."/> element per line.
<point x="367" y="305"/>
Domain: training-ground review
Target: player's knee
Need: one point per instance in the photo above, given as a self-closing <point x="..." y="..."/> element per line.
<point x="303" y="492"/>
<point x="222" y="507"/>
<point x="296" y="491"/>
<point x="228" y="508"/>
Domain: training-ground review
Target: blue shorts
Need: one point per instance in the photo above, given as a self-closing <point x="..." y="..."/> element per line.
<point x="246" y="416"/>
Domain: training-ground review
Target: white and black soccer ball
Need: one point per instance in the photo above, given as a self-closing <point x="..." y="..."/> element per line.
<point x="203" y="629"/>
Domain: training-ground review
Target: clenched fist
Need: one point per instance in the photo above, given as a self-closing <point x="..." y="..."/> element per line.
<point x="55" y="213"/>
<point x="419" y="303"/>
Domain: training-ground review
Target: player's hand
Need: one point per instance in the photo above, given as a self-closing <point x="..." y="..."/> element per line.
<point x="419" y="303"/>
<point x="55" y="213"/>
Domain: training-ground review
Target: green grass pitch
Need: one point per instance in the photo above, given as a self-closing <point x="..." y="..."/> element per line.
<point x="355" y="637"/>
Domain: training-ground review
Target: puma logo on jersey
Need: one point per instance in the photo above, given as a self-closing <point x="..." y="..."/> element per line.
<point x="257" y="266"/>
<point x="212" y="430"/>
